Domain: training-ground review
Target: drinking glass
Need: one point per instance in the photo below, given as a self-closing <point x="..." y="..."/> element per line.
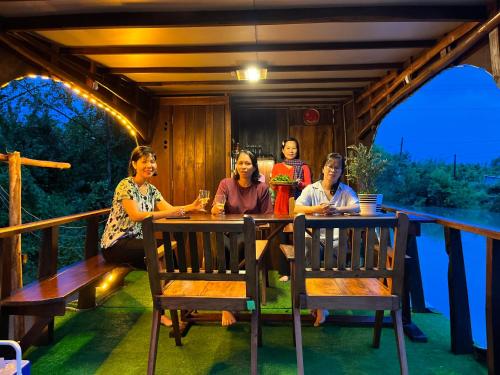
<point x="204" y="196"/>
<point x="220" y="201"/>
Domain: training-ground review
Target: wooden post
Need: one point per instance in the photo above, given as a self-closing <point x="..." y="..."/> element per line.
<point x="49" y="249"/>
<point x="11" y="259"/>
<point x="460" y="326"/>
<point x="493" y="304"/>
<point x="15" y="219"/>
<point x="86" y="296"/>
<point x="14" y="252"/>
<point x="495" y="55"/>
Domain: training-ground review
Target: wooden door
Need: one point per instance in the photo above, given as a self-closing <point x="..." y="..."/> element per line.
<point x="196" y="153"/>
<point x="316" y="141"/>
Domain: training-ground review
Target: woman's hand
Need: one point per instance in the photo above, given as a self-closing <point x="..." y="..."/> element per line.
<point x="197" y="205"/>
<point x="322" y="208"/>
<point x="217" y="209"/>
<point x="179" y="211"/>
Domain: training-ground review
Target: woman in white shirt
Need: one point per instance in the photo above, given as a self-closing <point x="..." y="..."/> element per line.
<point x="328" y="196"/>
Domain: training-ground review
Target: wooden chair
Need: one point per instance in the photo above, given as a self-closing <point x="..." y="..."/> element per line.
<point x="356" y="283"/>
<point x="213" y="287"/>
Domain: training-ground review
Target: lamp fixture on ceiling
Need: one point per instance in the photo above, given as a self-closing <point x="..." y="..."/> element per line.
<point x="251" y="73"/>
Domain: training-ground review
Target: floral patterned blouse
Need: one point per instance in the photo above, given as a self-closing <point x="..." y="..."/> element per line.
<point x="119" y="224"/>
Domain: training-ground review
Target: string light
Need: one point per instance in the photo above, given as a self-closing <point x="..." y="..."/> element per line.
<point x="108" y="280"/>
<point x="87" y="96"/>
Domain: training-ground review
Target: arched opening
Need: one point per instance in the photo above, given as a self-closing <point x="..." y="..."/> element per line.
<point x="50" y="120"/>
<point x="442" y="148"/>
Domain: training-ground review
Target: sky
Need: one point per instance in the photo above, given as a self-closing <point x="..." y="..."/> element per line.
<point x="457" y="112"/>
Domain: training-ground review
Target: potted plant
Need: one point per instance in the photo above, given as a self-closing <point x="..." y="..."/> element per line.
<point x="364" y="165"/>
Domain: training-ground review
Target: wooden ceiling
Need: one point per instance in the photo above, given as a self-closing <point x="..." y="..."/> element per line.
<point x="317" y="52"/>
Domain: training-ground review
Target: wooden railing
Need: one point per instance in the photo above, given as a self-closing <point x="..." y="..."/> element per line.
<point x="461" y="331"/>
<point x="47" y="261"/>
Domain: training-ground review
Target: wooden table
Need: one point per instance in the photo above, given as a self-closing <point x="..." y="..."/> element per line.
<point x="413" y="291"/>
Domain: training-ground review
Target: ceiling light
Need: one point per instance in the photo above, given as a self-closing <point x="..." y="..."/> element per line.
<point x="251" y="73"/>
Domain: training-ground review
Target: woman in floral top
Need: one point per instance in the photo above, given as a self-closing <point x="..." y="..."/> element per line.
<point x="136" y="199"/>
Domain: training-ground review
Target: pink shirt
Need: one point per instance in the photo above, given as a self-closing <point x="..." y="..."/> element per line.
<point x="254" y="199"/>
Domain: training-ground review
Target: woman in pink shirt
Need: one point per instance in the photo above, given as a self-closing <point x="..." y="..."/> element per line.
<point x="245" y="194"/>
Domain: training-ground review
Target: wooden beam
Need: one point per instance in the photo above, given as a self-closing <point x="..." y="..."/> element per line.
<point x="288" y="101"/>
<point x="245" y="47"/>
<point x="418" y="63"/>
<point x="197" y="100"/>
<point x="66" y="71"/>
<point x="85" y="70"/>
<point x="306" y="97"/>
<point x="286" y="105"/>
<point x="461" y="47"/>
<point x="384" y="81"/>
<point x="275" y="68"/>
<point x="262" y="82"/>
<point x="38" y="163"/>
<point x="247" y="17"/>
<point x="495" y="55"/>
<point x="286" y="91"/>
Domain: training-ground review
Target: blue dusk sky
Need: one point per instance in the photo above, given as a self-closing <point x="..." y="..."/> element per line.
<point x="457" y="112"/>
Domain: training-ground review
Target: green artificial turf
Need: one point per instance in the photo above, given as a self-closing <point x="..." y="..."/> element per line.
<point x="114" y="339"/>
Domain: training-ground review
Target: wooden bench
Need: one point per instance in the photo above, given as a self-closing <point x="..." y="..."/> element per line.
<point x="47" y="297"/>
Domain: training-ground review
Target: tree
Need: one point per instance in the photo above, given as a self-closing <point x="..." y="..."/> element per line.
<point x="43" y="120"/>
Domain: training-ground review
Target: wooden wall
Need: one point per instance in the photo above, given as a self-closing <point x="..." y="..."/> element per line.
<point x="191" y="138"/>
<point x="268" y="127"/>
<point x="265" y="127"/>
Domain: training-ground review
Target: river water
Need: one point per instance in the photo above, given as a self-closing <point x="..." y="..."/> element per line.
<point x="434" y="264"/>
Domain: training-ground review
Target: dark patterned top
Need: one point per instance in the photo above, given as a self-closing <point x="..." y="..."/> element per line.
<point x="119" y="224"/>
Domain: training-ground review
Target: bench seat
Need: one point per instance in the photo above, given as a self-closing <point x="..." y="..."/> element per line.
<point x="57" y="289"/>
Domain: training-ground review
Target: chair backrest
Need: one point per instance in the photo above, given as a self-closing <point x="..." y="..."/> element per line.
<point x="361" y="251"/>
<point x="223" y="236"/>
<point x="291" y="205"/>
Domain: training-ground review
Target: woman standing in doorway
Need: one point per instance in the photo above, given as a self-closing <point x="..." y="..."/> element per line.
<point x="296" y="170"/>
